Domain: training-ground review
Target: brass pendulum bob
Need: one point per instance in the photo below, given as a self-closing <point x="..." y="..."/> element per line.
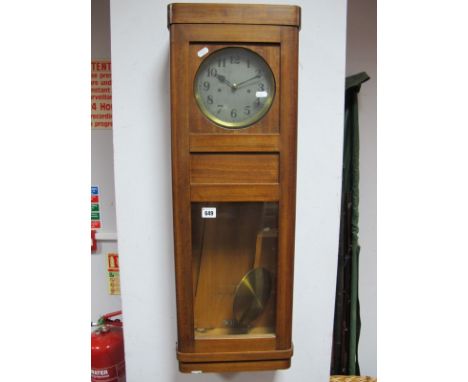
<point x="253" y="291"/>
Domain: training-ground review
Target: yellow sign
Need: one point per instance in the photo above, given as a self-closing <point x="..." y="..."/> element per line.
<point x="113" y="273"/>
<point x="101" y="95"/>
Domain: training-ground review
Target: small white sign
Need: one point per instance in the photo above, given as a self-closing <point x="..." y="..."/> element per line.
<point x="262" y="94"/>
<point x="208" y="212"/>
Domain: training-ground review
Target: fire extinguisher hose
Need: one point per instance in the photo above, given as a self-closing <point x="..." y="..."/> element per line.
<point x="105" y="320"/>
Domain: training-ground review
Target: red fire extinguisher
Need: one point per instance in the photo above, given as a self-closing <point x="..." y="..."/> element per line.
<point x="107" y="350"/>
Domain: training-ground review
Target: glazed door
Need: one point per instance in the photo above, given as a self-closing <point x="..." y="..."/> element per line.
<point x="234" y="267"/>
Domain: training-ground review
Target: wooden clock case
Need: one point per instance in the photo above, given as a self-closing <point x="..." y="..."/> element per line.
<point x="252" y="166"/>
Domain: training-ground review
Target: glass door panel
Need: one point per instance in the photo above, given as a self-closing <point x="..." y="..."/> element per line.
<point x="234" y="249"/>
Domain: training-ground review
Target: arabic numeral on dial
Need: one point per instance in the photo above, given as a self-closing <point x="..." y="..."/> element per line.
<point x="206" y="85"/>
<point x="235" y="60"/>
<point x="246" y="110"/>
<point x="257" y="102"/>
<point x="209" y="100"/>
<point x="261" y="86"/>
<point x="212" y="72"/>
<point x="220" y="109"/>
<point x="233" y="113"/>
<point x="222" y="63"/>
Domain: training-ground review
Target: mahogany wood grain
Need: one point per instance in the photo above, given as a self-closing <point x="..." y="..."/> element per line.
<point x="233" y="367"/>
<point x="287" y="203"/>
<point x="234" y="356"/>
<point x="237" y="343"/>
<point x="266" y="256"/>
<point x="234" y="143"/>
<point x="234" y="14"/>
<point x="234" y="168"/>
<point x="217" y="33"/>
<point x="181" y="188"/>
<point x="235" y="192"/>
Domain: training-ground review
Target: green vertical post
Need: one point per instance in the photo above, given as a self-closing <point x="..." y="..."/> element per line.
<point x="353" y="85"/>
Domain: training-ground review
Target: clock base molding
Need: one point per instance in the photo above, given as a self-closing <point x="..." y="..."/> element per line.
<point x="234" y="356"/>
<point x="232" y="367"/>
<point x="235" y="361"/>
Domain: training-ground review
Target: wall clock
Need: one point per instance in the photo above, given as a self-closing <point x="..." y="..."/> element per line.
<point x="234" y="129"/>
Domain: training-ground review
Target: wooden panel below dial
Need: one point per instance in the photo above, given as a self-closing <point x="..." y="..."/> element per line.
<point x="234" y="168"/>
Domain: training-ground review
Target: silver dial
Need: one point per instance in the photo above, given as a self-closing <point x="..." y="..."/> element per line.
<point x="234" y="87"/>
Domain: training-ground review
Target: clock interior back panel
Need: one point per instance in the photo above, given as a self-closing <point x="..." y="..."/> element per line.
<point x="269" y="124"/>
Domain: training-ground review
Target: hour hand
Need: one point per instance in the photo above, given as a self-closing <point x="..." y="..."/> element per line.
<point x="223" y="79"/>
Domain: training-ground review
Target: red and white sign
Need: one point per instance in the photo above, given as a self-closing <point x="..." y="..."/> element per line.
<point x="101" y="95"/>
<point x="95" y="208"/>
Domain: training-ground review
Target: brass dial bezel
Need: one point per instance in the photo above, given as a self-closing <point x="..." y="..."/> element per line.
<point x="247" y="122"/>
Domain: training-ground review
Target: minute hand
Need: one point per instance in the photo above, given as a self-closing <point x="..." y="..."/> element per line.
<point x="250" y="79"/>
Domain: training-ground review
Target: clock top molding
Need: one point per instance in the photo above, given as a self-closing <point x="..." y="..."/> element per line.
<point x="252" y="14"/>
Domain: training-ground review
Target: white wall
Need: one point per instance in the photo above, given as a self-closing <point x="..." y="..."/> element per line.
<point x="102" y="173"/>
<point x="140" y="58"/>
<point x="361" y="56"/>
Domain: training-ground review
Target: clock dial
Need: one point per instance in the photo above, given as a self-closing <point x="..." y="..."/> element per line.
<point x="234" y="87"/>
